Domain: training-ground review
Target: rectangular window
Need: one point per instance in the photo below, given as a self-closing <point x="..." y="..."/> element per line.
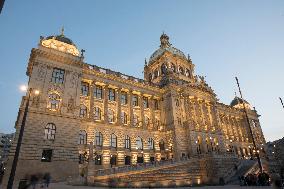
<point x="98" y="92"/>
<point x="46" y="155"/>
<point x="84" y="88"/>
<point x="156" y="104"/>
<point x="127" y="142"/>
<point x="98" y="139"/>
<point x="123" y="98"/>
<point x="124" y="118"/>
<point x="57" y="75"/>
<point x="111" y="94"/>
<point x="97" y="114"/>
<point x="145" y="102"/>
<point x="135" y="100"/>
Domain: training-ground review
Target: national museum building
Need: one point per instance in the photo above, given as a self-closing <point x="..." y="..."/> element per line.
<point x="88" y="118"/>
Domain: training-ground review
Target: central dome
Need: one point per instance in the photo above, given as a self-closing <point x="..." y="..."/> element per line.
<point x="165" y="46"/>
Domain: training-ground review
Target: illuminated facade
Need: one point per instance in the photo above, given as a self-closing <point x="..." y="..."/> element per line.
<point x="170" y="114"/>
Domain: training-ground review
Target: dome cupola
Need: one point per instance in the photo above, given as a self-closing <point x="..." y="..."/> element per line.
<point x="165" y="46"/>
<point x="238" y="103"/>
<point x="61" y="43"/>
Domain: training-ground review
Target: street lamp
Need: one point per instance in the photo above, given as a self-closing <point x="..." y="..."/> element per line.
<point x="22" y="128"/>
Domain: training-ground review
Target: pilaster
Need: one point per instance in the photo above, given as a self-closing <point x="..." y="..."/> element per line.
<point x="105" y="88"/>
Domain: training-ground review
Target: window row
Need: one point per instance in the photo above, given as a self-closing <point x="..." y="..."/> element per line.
<point x="50" y="131"/>
<point x="172" y="68"/>
<point x="127" y="142"/>
<point x="111" y="116"/>
<point x="111" y="96"/>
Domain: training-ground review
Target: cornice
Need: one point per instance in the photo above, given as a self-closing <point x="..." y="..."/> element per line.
<point x="119" y="77"/>
<point x="53" y="55"/>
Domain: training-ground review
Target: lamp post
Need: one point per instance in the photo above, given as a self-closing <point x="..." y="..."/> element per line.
<point x="18" y="147"/>
<point x="246" y="114"/>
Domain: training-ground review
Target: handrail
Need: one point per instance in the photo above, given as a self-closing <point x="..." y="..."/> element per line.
<point x="140" y="166"/>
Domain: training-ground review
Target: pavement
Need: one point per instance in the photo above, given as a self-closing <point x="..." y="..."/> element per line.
<point x="62" y="185"/>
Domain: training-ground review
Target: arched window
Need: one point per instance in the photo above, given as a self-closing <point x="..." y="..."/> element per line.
<point x="147" y="121"/>
<point x="151" y="144"/>
<point x="98" y="139"/>
<point x="82" y="137"/>
<point x="173" y="67"/>
<point x="177" y="102"/>
<point x="135" y="120"/>
<point x="49" y="131"/>
<point x="187" y="72"/>
<point x="180" y="70"/>
<point x="110" y="116"/>
<point x="83" y="111"/>
<point x="156" y="74"/>
<point x="139" y="143"/>
<point x="162" y="145"/>
<point x="124" y="118"/>
<point x="127" y="142"/>
<point x="164" y="69"/>
<point x="53" y="102"/>
<point x="150" y="77"/>
<point x="97" y="114"/>
<point x="113" y="140"/>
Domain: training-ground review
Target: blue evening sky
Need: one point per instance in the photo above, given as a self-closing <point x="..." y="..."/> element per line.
<point x="224" y="39"/>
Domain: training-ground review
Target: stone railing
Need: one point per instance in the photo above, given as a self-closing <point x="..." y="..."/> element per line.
<point x="140" y="166"/>
<point x="232" y="171"/>
<point x="118" y="74"/>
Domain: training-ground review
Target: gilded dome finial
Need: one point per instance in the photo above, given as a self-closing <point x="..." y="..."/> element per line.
<point x="164" y="41"/>
<point x="62" y="30"/>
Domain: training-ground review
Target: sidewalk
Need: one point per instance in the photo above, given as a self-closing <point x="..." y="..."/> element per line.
<point x="62" y="185"/>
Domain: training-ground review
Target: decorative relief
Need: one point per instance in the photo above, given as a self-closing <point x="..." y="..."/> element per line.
<point x="41" y="72"/>
<point x="36" y="101"/>
<point x="74" y="79"/>
<point x="71" y="105"/>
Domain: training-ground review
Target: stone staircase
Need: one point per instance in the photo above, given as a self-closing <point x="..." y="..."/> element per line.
<point x="245" y="167"/>
<point x="206" y="169"/>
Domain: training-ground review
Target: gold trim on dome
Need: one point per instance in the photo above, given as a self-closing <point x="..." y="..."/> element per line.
<point x="60" y="46"/>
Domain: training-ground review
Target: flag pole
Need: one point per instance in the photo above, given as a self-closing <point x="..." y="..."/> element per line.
<point x="247" y="118"/>
<point x="281" y="102"/>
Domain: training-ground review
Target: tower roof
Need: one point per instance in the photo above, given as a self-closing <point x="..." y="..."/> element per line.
<point x="238" y="103"/>
<point x="61" y="43"/>
<point x="165" y="46"/>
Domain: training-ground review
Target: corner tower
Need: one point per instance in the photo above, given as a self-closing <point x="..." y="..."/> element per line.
<point x="168" y="64"/>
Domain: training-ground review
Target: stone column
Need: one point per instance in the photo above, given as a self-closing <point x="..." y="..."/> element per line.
<point x="91" y="115"/>
<point x="194" y="115"/>
<point x="106" y="103"/>
<point x="118" y="95"/>
<point x="130" y="108"/>
<point x="200" y="103"/>
<point x="91" y="167"/>
<point x="152" y="118"/>
<point x="142" y="111"/>
<point x="208" y="106"/>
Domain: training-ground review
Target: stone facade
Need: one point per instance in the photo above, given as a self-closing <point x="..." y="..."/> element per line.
<point x="85" y="112"/>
